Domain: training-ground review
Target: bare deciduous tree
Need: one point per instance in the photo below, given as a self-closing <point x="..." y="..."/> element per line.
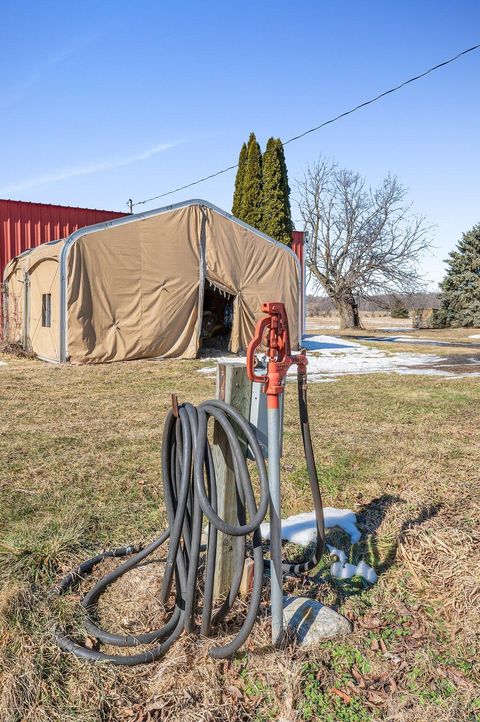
<point x="360" y="241"/>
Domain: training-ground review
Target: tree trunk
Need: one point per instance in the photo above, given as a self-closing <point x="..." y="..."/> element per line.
<point x="347" y="307"/>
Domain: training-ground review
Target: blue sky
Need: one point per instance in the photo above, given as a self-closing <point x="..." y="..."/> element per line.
<point x="102" y="101"/>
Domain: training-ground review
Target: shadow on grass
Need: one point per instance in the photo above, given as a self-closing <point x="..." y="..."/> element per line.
<point x="383" y="553"/>
<point x="378" y="552"/>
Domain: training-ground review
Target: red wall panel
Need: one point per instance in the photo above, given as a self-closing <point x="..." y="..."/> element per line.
<point x="298" y="247"/>
<point x="26" y="225"/>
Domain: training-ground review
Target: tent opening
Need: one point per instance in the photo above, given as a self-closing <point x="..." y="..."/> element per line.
<point x="217" y="318"/>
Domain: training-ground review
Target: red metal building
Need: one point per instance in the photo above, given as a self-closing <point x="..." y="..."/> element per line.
<point x="26" y="225"/>
<point x="298" y="247"/>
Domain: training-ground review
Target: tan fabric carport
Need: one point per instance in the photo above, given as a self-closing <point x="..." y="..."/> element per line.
<point x="133" y="288"/>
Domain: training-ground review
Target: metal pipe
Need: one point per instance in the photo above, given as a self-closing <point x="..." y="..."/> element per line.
<point x="276" y="576"/>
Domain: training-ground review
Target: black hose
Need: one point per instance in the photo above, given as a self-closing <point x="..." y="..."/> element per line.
<point x="190" y="493"/>
<point x="306" y="565"/>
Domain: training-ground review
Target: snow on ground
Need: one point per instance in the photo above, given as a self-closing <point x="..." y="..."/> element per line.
<point x="475" y="335"/>
<point x="301" y="529"/>
<point x="344" y="570"/>
<point x="330" y="357"/>
<point x="333" y="356"/>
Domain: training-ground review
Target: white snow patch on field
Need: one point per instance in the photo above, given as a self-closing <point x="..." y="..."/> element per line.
<point x="330" y="357"/>
<point x="344" y="570"/>
<point x="301" y="529"/>
<point x="335" y="356"/>
<point x="475" y="335"/>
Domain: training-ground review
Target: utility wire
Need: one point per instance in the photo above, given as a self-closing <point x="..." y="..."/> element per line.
<point x="322" y="125"/>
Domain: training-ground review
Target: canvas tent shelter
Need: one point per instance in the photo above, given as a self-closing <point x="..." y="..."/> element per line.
<point x="138" y="286"/>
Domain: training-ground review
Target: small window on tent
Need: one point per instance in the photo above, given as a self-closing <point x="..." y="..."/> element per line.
<point x="46" y="309"/>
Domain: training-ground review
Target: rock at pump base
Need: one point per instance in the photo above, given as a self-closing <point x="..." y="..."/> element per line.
<point x="312" y="621"/>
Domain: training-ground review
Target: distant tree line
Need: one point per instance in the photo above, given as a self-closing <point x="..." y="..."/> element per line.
<point x="389" y="304"/>
<point x="262" y="193"/>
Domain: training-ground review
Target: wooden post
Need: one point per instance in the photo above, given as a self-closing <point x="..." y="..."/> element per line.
<point x="234" y="387"/>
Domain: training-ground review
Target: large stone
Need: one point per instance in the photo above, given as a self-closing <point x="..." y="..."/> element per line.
<point x="312" y="621"/>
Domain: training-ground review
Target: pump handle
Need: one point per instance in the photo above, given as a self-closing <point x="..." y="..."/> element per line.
<point x="256" y="341"/>
<point x="279" y="353"/>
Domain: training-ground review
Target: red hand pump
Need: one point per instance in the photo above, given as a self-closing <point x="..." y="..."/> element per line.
<point x="279" y="353"/>
<point x="280" y="359"/>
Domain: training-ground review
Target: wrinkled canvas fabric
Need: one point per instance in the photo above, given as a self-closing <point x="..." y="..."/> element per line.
<point x="135" y="289"/>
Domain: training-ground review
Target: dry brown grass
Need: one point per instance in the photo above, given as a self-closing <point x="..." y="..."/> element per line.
<point x="14" y="348"/>
<point x="79" y="470"/>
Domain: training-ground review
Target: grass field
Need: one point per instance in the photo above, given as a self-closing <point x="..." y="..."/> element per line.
<point x="79" y="471"/>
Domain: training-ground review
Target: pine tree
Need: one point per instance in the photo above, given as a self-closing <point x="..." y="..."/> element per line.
<point x="239" y="182"/>
<point x="251" y="208"/>
<point x="461" y="285"/>
<point x="276" y="216"/>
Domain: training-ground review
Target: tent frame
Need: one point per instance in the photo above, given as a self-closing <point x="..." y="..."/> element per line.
<point x="76" y="235"/>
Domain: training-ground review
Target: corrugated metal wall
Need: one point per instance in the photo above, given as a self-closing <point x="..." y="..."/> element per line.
<point x="298" y="247"/>
<point x="26" y="225"/>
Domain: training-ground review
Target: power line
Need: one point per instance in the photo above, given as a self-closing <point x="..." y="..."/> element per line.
<point x="322" y="125"/>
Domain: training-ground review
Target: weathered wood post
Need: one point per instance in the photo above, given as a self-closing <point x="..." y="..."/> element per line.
<point x="234" y="387"/>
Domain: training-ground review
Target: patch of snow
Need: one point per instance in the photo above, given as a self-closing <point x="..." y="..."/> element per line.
<point x="301" y="528"/>
<point x="366" y="361"/>
<point x="330" y="357"/>
<point x="3" y="363"/>
<point x="344" y="570"/>
<point x="339" y="553"/>
<point x="475" y="335"/>
<point x="328" y="343"/>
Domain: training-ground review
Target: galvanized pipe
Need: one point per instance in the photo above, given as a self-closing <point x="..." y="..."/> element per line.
<point x="276" y="575"/>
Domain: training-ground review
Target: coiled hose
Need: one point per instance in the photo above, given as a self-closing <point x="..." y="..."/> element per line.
<point x="190" y="492"/>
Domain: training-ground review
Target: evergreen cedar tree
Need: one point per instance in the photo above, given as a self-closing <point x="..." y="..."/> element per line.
<point x="251" y="208"/>
<point x="239" y="180"/>
<point x="262" y="193"/>
<point x="461" y="285"/>
<point x="277" y="217"/>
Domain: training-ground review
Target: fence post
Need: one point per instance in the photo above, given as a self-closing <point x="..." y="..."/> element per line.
<point x="234" y="387"/>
